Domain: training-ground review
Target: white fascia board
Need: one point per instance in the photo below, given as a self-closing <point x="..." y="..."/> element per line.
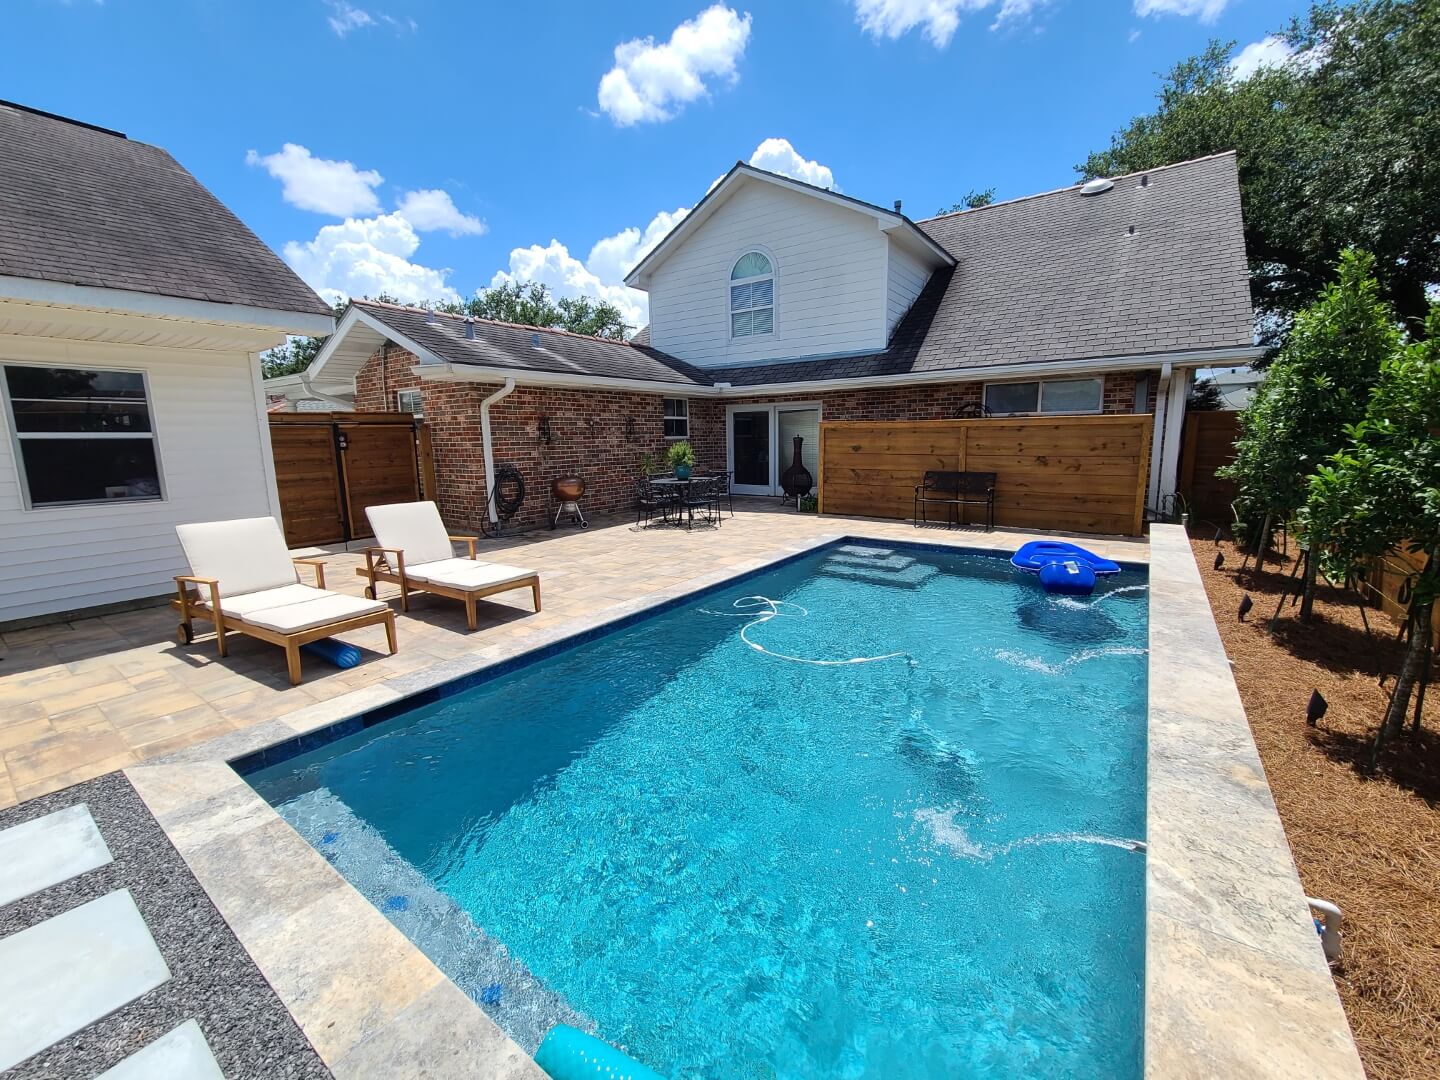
<point x="446" y="372"/>
<point x="524" y="377"/>
<point x="348" y="321"/>
<point x="164" y="307"/>
<point x="639" y="275"/>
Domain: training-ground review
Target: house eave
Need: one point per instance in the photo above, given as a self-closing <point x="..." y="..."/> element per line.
<point x="159" y="306"/>
<point x="451" y="372"/>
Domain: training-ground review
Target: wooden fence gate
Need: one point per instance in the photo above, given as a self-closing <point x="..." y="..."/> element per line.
<point x="1071" y="473"/>
<point x="330" y="466"/>
<point x="1207" y="444"/>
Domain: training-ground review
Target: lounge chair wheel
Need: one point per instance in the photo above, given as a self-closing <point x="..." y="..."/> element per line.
<point x="584" y="524"/>
<point x="369" y="592"/>
<point x="184" y="634"/>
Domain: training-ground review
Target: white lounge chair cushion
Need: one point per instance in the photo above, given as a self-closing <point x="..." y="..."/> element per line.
<point x="327" y="608"/>
<point x="414" y="528"/>
<point x="466" y="573"/>
<point x="242" y="606"/>
<point x="244" y="555"/>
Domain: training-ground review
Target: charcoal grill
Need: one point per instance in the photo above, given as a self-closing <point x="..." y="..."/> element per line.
<point x="566" y="492"/>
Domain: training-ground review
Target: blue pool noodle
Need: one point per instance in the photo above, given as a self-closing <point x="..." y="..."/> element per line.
<point x="569" y="1054"/>
<point x="336" y="652"/>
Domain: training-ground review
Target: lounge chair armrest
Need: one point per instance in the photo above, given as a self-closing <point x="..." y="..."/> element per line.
<point x="319" y="567"/>
<point x="212" y="584"/>
<point x="371" y="552"/>
<point x="470" y="541"/>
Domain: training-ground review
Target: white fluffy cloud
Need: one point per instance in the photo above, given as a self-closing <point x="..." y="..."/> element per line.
<point x="937" y="19"/>
<point x="1267" y="52"/>
<point x="432" y="209"/>
<point x="337" y="188"/>
<point x="1207" y="10"/>
<point x="601" y="276"/>
<point x="345" y="17"/>
<point x="652" y="82"/>
<point x="778" y="156"/>
<point x="367" y="257"/>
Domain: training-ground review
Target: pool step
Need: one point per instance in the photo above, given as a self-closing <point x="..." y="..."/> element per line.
<point x="912" y="577"/>
<point x="885" y="562"/>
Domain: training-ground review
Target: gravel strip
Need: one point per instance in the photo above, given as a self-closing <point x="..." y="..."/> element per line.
<point x="213" y="980"/>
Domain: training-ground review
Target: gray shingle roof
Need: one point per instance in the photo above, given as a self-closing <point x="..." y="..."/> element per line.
<point x="83" y="206"/>
<point x="530" y="348"/>
<point x="1060" y="276"/>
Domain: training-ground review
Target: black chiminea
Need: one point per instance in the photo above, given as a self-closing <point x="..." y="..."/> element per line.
<point x="796" y="480"/>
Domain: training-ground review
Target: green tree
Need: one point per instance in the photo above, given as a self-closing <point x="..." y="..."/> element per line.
<point x="973" y="200"/>
<point x="1339" y="148"/>
<point x="1204" y="396"/>
<point x="529" y="303"/>
<point x="1383" y="490"/>
<point x="295" y="355"/>
<point x="1318" y="384"/>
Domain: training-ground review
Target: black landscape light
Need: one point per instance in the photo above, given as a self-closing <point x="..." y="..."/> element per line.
<point x="1245" y="605"/>
<point x="1219" y="559"/>
<point x="1316" y="709"/>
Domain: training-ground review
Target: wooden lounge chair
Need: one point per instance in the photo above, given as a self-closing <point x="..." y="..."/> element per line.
<point x="414" y="553"/>
<point x="245" y="581"/>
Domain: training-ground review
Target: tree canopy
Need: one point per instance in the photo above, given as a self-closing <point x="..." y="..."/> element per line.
<point x="1382" y="490"/>
<point x="1319" y="383"/>
<point x="1337" y="148"/>
<point x="971" y="200"/>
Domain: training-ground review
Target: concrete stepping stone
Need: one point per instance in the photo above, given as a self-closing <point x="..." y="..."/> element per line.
<point x="68" y="971"/>
<point x="48" y="850"/>
<point x="181" y="1054"/>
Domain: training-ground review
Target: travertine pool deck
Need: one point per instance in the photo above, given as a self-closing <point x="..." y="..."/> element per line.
<point x="1236" y="984"/>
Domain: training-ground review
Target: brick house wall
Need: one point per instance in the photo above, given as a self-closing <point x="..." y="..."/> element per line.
<point x="602" y="434"/>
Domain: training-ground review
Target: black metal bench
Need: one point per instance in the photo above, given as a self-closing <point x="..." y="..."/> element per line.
<point x="955" y="491"/>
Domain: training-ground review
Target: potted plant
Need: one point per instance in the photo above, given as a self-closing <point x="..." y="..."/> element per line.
<point x="649" y="466"/>
<point x="681" y="457"/>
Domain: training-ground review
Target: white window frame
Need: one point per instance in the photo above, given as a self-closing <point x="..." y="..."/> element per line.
<point x="684" y="415"/>
<point x="17" y="437"/>
<point x="419" y="409"/>
<point x="730" y="285"/>
<point x="1099" y="380"/>
<point x="774" y="408"/>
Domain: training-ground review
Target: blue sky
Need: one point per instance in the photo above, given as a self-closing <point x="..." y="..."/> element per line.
<point x="430" y="147"/>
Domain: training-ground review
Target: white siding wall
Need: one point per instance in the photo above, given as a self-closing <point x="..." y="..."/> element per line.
<point x="213" y="459"/>
<point x="830" y="282"/>
<point x="907" y="277"/>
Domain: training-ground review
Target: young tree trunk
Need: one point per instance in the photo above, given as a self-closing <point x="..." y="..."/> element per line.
<point x="1417" y="654"/>
<point x="1262" y="543"/>
<point x="1307" y="599"/>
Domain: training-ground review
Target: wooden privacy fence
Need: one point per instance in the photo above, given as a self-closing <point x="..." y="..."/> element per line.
<point x="1072" y="473"/>
<point x="329" y="467"/>
<point x="1208" y="442"/>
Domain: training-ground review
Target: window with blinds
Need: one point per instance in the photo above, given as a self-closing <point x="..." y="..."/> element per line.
<point x="752" y="296"/>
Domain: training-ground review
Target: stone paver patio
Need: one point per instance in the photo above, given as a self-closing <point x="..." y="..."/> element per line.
<point x="83" y="698"/>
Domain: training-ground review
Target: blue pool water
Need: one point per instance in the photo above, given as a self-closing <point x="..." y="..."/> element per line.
<point x="734" y="863"/>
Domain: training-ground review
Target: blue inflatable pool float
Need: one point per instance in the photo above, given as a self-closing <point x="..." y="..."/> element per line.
<point x="1067" y="578"/>
<point x="1066" y="569"/>
<point x="569" y="1054"/>
<point x="333" y="651"/>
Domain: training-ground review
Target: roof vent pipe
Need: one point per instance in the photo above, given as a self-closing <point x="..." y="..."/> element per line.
<point x="897" y="206"/>
<point x="429" y="314"/>
<point x="469" y="329"/>
<point x="534" y="341"/>
<point x="1098" y="186"/>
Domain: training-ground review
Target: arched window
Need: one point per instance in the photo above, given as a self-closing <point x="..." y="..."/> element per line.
<point x="752" y="296"/>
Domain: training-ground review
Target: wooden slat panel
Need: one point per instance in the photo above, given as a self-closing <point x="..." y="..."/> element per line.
<point x="1079" y="474"/>
<point x="1208" y="444"/>
<point x="379" y="467"/>
<point x="307" y="478"/>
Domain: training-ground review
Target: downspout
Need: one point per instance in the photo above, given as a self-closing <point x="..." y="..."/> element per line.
<point x="1160" y="405"/>
<point x="487" y="449"/>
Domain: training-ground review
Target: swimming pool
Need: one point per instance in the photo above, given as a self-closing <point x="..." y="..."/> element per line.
<point x="914" y="858"/>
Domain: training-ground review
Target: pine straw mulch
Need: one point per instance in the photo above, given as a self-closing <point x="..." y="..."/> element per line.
<point x="1368" y="843"/>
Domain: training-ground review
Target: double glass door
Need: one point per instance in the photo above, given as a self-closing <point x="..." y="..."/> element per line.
<point x="762" y="444"/>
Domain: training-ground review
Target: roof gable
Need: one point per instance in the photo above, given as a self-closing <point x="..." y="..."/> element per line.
<point x="888" y="221"/>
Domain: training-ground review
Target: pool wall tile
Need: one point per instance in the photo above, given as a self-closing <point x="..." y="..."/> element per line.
<point x="1236" y="983"/>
